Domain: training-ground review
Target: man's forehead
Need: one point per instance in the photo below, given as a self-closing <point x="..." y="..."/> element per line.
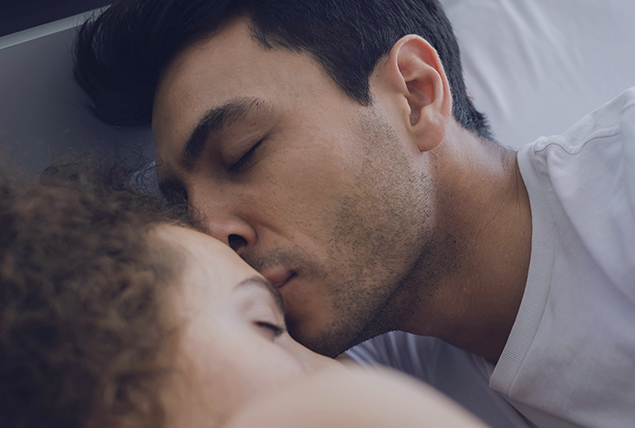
<point x="197" y="62"/>
<point x="200" y="76"/>
<point x="230" y="65"/>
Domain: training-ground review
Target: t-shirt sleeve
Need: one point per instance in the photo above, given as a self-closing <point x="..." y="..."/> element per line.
<point x="627" y="124"/>
<point x="595" y="180"/>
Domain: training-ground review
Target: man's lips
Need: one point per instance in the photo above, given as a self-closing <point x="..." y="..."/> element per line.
<point x="279" y="279"/>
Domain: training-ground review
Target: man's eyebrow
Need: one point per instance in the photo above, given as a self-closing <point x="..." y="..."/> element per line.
<point x="256" y="280"/>
<point x="215" y="120"/>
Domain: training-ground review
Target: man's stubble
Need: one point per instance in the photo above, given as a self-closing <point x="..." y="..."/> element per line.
<point x="385" y="252"/>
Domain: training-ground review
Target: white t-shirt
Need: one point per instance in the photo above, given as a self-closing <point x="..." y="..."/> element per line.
<point x="570" y="357"/>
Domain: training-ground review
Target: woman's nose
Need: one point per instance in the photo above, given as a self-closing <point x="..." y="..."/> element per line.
<point x="314" y="362"/>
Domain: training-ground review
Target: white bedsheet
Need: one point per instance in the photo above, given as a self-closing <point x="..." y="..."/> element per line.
<point x="535" y="67"/>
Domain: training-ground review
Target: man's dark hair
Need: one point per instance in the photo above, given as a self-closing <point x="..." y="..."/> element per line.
<point x="120" y="54"/>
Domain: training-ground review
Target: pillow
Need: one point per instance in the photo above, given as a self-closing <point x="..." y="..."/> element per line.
<point x="535" y="67"/>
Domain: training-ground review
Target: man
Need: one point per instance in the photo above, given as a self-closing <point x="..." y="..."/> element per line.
<point x="334" y="147"/>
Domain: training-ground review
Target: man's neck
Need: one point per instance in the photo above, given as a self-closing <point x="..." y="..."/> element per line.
<point x="486" y="208"/>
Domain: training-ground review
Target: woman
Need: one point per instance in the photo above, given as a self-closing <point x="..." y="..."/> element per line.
<point x="115" y="313"/>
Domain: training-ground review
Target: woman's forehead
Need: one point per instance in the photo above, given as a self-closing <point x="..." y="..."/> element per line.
<point x="209" y="266"/>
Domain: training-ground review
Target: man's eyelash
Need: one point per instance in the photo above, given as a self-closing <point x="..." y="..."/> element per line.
<point x="277" y="330"/>
<point x="245" y="159"/>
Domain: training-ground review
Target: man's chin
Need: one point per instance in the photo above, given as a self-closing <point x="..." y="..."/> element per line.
<point x="330" y="342"/>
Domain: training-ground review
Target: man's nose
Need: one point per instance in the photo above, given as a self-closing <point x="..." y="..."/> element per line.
<point x="233" y="231"/>
<point x="215" y="211"/>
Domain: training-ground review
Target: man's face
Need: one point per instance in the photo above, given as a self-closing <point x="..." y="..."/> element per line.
<point x="317" y="192"/>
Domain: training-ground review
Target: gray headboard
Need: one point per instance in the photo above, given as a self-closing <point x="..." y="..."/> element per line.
<point x="42" y="110"/>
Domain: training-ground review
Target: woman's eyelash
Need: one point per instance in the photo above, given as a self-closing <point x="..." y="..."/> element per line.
<point x="277" y="330"/>
<point x="245" y="159"/>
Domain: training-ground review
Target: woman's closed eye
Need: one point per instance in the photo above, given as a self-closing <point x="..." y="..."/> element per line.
<point x="261" y="306"/>
<point x="272" y="329"/>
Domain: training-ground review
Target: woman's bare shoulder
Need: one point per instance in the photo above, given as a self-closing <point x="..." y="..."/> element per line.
<point x="352" y="398"/>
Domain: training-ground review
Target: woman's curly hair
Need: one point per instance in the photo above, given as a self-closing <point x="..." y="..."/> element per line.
<point x="82" y="321"/>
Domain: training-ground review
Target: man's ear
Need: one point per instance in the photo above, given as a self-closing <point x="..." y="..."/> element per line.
<point x="417" y="77"/>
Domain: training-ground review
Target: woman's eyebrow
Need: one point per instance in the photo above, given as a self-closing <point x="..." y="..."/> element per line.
<point x="260" y="282"/>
